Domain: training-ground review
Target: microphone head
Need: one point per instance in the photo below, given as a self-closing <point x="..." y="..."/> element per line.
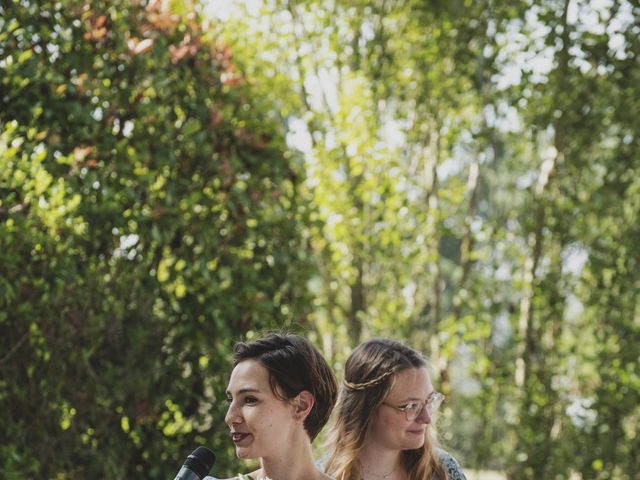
<point x="200" y="461"/>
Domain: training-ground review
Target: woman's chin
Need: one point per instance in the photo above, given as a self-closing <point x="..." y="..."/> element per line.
<point x="414" y="444"/>
<point x="245" y="454"/>
<point x="242" y="453"/>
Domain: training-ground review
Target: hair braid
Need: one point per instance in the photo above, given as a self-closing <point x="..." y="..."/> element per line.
<point x="370" y="383"/>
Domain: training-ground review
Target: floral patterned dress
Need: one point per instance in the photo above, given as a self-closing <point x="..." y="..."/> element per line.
<point x="451" y="466"/>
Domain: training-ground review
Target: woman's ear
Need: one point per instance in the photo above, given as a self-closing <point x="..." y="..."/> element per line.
<point x="303" y="403"/>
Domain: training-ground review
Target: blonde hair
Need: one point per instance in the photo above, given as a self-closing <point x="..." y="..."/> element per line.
<point x="370" y="373"/>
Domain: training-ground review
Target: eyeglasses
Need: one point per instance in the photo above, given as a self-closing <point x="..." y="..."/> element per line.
<point x="412" y="410"/>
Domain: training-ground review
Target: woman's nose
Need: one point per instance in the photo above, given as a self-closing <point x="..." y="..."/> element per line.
<point x="424" y="416"/>
<point x="232" y="417"/>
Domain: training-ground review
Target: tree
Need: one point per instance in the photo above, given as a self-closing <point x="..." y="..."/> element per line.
<point x="150" y="218"/>
<point x="469" y="230"/>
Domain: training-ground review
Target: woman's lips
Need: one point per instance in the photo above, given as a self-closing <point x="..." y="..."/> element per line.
<point x="417" y="432"/>
<point x="238" y="437"/>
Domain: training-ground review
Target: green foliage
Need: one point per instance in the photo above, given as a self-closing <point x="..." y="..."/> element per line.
<point x="149" y="218"/>
<point x="470" y="184"/>
<point x="473" y="169"/>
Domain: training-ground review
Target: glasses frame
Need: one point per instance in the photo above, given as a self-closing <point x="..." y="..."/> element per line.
<point x="432" y="404"/>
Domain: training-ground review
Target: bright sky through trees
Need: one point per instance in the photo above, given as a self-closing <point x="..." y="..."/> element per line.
<point x="465" y="177"/>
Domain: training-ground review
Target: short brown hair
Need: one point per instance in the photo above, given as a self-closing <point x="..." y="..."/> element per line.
<point x="294" y="365"/>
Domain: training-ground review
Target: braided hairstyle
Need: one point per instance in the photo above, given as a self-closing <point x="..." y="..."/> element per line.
<point x="369" y="375"/>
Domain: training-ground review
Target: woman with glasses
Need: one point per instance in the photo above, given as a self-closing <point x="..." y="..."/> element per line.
<point x="384" y="411"/>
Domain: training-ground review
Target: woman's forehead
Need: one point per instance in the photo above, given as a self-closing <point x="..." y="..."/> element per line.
<point x="249" y="374"/>
<point x="411" y="383"/>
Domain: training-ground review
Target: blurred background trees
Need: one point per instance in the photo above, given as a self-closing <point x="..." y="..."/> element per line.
<point x="150" y="215"/>
<point x="177" y="176"/>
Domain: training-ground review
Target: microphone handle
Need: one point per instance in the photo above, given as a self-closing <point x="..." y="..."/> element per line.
<point x="186" y="473"/>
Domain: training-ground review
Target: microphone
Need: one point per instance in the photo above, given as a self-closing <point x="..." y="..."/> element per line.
<point x="197" y="465"/>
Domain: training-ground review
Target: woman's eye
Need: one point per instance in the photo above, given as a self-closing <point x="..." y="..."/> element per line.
<point x="411" y="406"/>
<point x="250" y="400"/>
<point x="229" y="399"/>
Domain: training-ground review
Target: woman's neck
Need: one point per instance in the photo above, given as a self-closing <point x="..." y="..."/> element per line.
<point x="380" y="463"/>
<point x="296" y="464"/>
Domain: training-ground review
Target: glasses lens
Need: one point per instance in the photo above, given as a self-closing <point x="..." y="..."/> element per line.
<point x="432" y="405"/>
<point x="413" y="411"/>
<point x="434" y="402"/>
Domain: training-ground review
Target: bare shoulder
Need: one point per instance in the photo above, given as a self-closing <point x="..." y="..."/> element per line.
<point x="248" y="476"/>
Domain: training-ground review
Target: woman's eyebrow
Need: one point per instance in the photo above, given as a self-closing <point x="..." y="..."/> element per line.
<point x="244" y="390"/>
<point x="417" y="399"/>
